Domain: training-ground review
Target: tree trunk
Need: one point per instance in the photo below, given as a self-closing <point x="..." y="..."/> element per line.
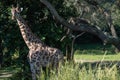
<point x="112" y="28"/>
<point x="117" y="47"/>
<point x="68" y="51"/>
<point x="72" y="45"/>
<point x="114" y="34"/>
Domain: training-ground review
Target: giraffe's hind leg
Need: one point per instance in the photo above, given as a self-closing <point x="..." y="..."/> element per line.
<point x="56" y="66"/>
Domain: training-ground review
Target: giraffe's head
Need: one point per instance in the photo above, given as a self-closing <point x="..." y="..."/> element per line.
<point x="15" y="12"/>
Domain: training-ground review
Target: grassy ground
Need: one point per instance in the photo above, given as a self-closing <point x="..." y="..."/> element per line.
<point x="74" y="72"/>
<point x="95" y="52"/>
<point x="89" y="52"/>
<point x="7" y="72"/>
<point x="95" y="57"/>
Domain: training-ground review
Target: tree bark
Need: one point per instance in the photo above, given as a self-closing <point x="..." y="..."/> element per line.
<point x="84" y="28"/>
<point x="72" y="46"/>
<point x="109" y="21"/>
<point x="68" y="51"/>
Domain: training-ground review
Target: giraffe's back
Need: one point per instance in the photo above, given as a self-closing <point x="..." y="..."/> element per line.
<point x="46" y="56"/>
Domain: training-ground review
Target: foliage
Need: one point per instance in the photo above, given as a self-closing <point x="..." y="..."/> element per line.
<point x="38" y="20"/>
<point x="42" y="24"/>
<point x="93" y="10"/>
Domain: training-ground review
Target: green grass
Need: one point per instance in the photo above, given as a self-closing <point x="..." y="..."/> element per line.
<point x="7" y="72"/>
<point x="74" y="72"/>
<point x="95" y="52"/>
<point x="71" y="71"/>
<point x="109" y="57"/>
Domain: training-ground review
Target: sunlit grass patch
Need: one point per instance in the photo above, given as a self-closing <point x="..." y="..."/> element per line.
<point x="98" y="57"/>
<point x="74" y="72"/>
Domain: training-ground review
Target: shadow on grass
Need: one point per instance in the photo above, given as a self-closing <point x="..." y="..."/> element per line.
<point x="98" y="49"/>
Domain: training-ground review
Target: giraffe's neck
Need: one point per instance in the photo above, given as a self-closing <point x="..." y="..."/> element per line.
<point x="30" y="39"/>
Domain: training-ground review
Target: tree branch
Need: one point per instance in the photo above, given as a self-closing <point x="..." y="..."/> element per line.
<point x="73" y="41"/>
<point x="85" y="28"/>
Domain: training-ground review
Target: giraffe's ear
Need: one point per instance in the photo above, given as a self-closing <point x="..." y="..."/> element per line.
<point x="18" y="9"/>
<point x="21" y="9"/>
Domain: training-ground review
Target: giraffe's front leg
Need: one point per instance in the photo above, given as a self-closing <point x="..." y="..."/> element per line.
<point x="38" y="72"/>
<point x="32" y="67"/>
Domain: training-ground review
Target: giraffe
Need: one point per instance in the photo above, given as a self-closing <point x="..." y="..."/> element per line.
<point x="40" y="55"/>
